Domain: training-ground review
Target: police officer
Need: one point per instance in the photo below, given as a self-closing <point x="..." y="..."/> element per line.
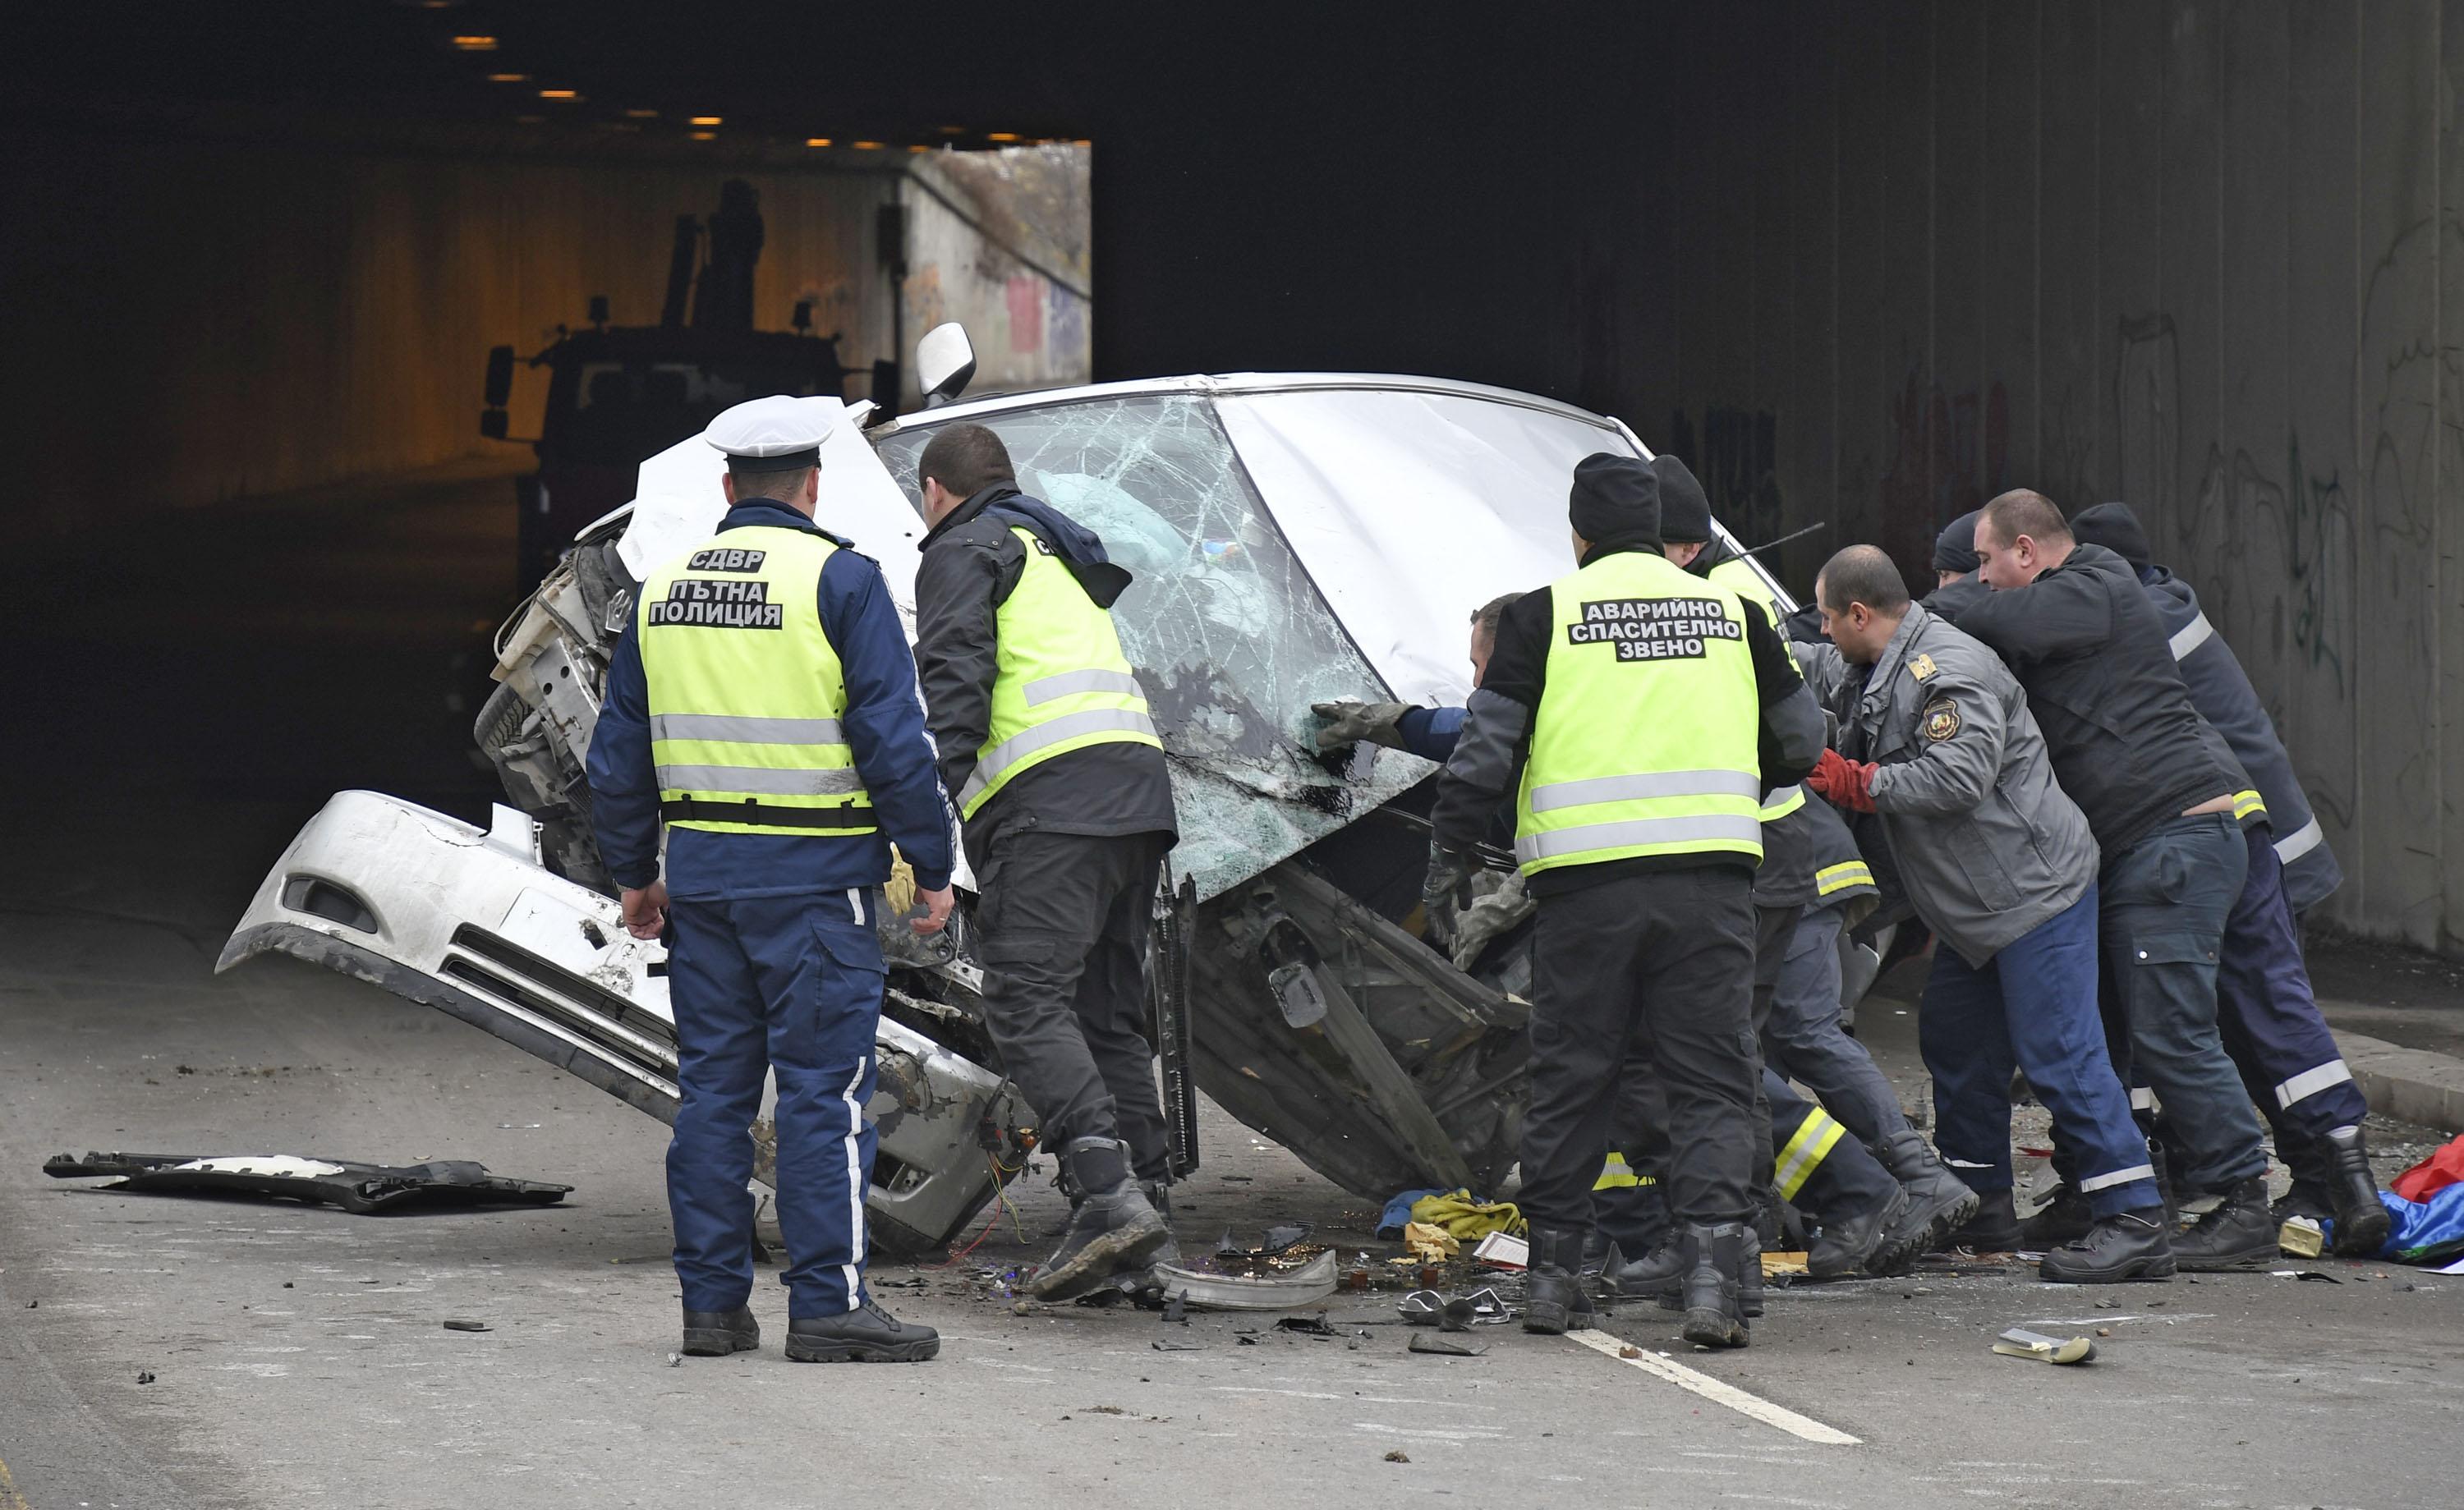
<point x="2268" y="1017"/>
<point x="1936" y="739"/>
<point x="1811" y="876"/>
<point x="1954" y="567"/>
<point x="2130" y="748"/>
<point x="762" y="706"/>
<point x="1647" y="713"/>
<point x="1046" y="743"/>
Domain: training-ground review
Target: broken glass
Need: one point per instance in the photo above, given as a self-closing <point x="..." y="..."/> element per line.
<point x="1231" y="638"/>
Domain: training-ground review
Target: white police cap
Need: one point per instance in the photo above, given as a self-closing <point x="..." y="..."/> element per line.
<point x="780" y="429"/>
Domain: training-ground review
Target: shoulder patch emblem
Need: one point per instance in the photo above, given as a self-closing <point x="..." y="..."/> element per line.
<point x="1941" y="719"/>
<point x="1921" y="668"/>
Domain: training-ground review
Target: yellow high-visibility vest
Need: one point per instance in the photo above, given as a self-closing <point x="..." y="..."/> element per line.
<point x="1062" y="682"/>
<point x="1644" y="739"/>
<point x="746" y="691"/>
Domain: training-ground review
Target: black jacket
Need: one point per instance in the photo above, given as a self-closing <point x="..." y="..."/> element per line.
<point x="1496" y="738"/>
<point x="970" y="565"/>
<point x="2091" y="651"/>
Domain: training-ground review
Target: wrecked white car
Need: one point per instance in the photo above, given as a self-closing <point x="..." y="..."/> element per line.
<point x="1296" y="538"/>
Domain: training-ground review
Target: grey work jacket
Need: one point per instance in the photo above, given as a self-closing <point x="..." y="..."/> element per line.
<point x="1986" y="842"/>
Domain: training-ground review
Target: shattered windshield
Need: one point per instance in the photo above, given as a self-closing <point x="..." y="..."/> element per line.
<point x="1231" y="638"/>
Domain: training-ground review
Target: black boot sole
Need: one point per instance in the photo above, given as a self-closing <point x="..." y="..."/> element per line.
<point x="2362" y="1237"/>
<point x="2254" y="1259"/>
<point x="1556" y="1321"/>
<point x="813" y="1349"/>
<point x="2151" y="1269"/>
<point x="1124" y="1249"/>
<point x="718" y="1342"/>
<point x="1945" y="1215"/>
<point x="1706" y="1327"/>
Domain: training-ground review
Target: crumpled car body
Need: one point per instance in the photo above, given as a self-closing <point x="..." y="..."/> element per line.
<point x="1296" y="538"/>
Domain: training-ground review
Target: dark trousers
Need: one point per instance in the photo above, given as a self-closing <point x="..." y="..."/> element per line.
<point x="1802" y="1038"/>
<point x="790" y="984"/>
<point x="2033" y="1006"/>
<point x="1818" y="1166"/>
<point x="1064" y="926"/>
<point x="2269" y="1020"/>
<point x="2161" y="929"/>
<point x="1668" y="958"/>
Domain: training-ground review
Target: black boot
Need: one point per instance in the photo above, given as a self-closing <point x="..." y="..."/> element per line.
<point x="1656" y="1275"/>
<point x="1112" y="1230"/>
<point x="715" y="1334"/>
<point x="2313" y="1192"/>
<point x="1942" y="1203"/>
<point x="1555" y="1302"/>
<point x="2063" y="1220"/>
<point x="1159" y="1195"/>
<point x="1865" y="1240"/>
<point x="866" y="1334"/>
<point x="1994" y="1229"/>
<point x="2362" y="1222"/>
<point x="2130" y="1246"/>
<point x="2240" y="1233"/>
<point x="1714" y="1258"/>
<point x="1671" y="1294"/>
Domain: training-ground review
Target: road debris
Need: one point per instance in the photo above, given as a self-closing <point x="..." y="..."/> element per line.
<point x="360" y="1189"/>
<point x="1398" y="1457"/>
<point x="466" y="1323"/>
<point x="2020" y="1343"/>
<point x="1307" y="1326"/>
<point x="1177" y="1345"/>
<point x="1445" y="1347"/>
<point x="2302" y="1237"/>
<point x="145" y="1378"/>
<point x="1503" y="1250"/>
<point x="1305" y="1285"/>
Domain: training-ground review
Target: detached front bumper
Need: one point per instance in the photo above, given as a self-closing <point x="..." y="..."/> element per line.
<point x="468" y="921"/>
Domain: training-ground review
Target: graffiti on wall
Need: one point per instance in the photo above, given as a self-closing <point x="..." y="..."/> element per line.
<point x="1735" y="455"/>
<point x="1951" y="451"/>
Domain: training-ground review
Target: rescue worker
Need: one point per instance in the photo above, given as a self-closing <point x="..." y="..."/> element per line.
<point x="2131" y="750"/>
<point x="762" y="706"/>
<point x="1647" y="713"/>
<point x="1954" y="567"/>
<point x="2265" y="1012"/>
<point x="1935" y="738"/>
<point x="1047" y="746"/>
<point x="1811" y="875"/>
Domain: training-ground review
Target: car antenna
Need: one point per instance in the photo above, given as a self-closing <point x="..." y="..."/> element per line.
<point x="1818" y="524"/>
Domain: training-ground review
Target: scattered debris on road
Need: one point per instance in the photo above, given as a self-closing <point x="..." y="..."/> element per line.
<point x="465" y="1323"/>
<point x="1445" y="1347"/>
<point x="2020" y="1343"/>
<point x="360" y="1189"/>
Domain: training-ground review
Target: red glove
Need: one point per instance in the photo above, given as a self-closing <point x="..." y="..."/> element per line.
<point x="1849" y="783"/>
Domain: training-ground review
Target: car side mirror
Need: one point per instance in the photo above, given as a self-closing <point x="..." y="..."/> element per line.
<point x="945" y="359"/>
<point x="500" y="376"/>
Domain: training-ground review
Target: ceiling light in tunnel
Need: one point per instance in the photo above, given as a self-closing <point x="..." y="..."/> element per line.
<point x="476" y="44"/>
<point x="1001" y="136"/>
<point x="567" y="95"/>
<point x="868" y="146"/>
<point x="953" y="131"/>
<point x="705" y="136"/>
<point x="705" y="120"/>
<point x="919" y="147"/>
<point x="641" y="115"/>
<point x="509" y="78"/>
<point x="817" y="142"/>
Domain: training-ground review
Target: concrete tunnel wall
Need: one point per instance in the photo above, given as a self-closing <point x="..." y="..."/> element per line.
<point x="246" y="318"/>
<point x="1867" y="265"/>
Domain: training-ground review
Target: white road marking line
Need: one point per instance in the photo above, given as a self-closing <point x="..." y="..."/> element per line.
<point x="1716" y="1390"/>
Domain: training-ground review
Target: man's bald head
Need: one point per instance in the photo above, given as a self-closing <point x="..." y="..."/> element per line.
<point x="2020" y="536"/>
<point x="1862" y="598"/>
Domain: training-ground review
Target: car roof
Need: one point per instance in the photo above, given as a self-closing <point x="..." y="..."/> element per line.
<point x="1247" y="383"/>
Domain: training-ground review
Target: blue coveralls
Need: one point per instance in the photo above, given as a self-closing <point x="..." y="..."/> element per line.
<point x="773" y="962"/>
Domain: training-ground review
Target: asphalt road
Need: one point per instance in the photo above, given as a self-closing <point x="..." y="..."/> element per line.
<point x="213" y="679"/>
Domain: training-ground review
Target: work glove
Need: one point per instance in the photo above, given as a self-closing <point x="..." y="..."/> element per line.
<point x="1446" y="888"/>
<point x="1501" y="908"/>
<point x="1847" y="783"/>
<point x="1354" y="723"/>
<point x="898" y="893"/>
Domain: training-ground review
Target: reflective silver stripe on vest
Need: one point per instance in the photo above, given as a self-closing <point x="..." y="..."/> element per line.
<point x="2310" y="1083"/>
<point x="1044" y="736"/>
<point x="1664" y="783"/>
<point x="1741" y="829"/>
<point x="1777" y="805"/>
<point x="833" y="781"/>
<point x="1070" y="684"/>
<point x="2298" y="842"/>
<point x="729" y="729"/>
<point x="2100" y="1182"/>
<point x="2190" y="636"/>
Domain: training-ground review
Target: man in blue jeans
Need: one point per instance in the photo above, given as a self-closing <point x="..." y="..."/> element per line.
<point x="2130" y="748"/>
<point x="1935" y="738"/>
